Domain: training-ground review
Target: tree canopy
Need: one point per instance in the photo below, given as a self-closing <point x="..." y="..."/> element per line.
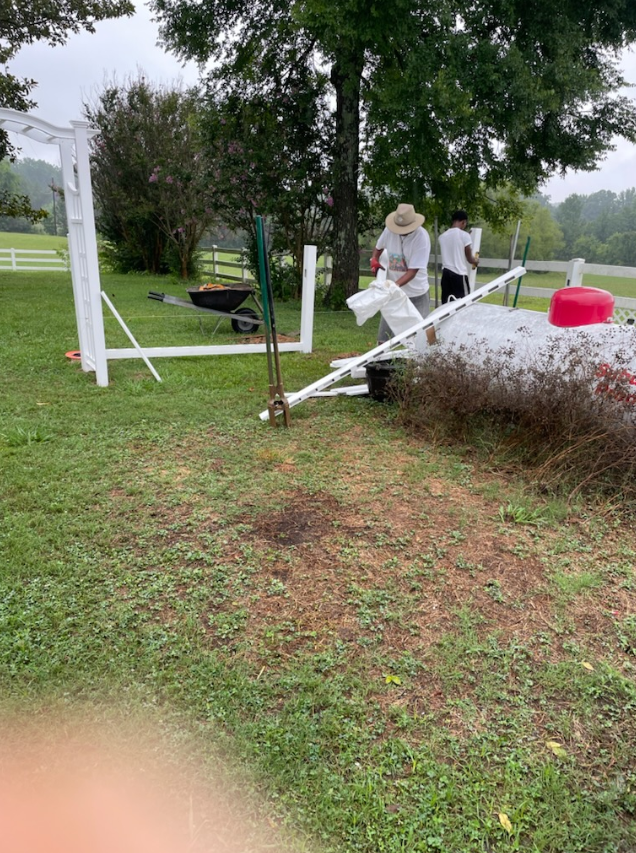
<point x="439" y="102"/>
<point x="269" y="155"/>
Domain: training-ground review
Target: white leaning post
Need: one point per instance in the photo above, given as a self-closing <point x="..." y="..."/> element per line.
<point x="130" y="336"/>
<point x="78" y="197"/>
<point x="475" y="233"/>
<point x="434" y="318"/>
<point x="308" y="299"/>
<point x="574" y="274"/>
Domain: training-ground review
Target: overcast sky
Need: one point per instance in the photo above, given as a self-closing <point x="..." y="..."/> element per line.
<point x="68" y="75"/>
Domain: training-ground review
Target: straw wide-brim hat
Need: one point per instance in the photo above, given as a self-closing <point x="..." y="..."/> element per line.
<point x="404" y="219"/>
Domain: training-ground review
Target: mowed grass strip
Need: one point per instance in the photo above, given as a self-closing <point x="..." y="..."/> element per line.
<point x="405" y="647"/>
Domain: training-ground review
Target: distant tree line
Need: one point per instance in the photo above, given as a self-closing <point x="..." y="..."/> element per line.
<point x="600" y="227"/>
<point x="40" y="183"/>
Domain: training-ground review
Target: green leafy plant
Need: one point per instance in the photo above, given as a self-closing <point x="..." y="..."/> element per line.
<point x="24" y="436"/>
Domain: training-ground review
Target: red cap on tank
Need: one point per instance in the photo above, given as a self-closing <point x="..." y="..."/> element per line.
<point x="580" y="306"/>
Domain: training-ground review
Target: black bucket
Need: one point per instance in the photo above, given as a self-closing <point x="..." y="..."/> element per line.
<point x="381" y="376"/>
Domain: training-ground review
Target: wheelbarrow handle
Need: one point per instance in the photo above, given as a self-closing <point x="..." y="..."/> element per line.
<point x="154" y="295"/>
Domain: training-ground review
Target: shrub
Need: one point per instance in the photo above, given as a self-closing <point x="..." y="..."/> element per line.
<point x="564" y="413"/>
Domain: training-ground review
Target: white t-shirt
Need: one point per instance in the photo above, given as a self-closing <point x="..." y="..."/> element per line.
<point x="452" y="244"/>
<point x="407" y="252"/>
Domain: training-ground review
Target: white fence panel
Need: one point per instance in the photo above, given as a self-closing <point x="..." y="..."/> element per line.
<point x="41" y="260"/>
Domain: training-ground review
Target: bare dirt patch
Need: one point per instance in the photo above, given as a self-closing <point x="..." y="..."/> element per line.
<point x="389" y="565"/>
<point x="303" y="520"/>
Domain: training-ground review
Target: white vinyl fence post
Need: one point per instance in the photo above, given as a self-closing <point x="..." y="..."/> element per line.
<point x="308" y="299"/>
<point x="215" y="262"/>
<point x="14" y="264"/>
<point x="574" y="274"/>
<point x="327" y="267"/>
<point x="78" y="197"/>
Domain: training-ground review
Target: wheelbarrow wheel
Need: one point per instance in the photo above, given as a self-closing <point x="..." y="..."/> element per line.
<point x="243" y="324"/>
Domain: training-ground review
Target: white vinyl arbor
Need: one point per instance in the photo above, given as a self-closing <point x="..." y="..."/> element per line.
<point x="78" y="198"/>
<point x="72" y="142"/>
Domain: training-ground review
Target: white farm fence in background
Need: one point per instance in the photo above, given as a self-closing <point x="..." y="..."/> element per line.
<point x="574" y="272"/>
<point x="47" y="260"/>
<point x="216" y="261"/>
<point x="230" y="265"/>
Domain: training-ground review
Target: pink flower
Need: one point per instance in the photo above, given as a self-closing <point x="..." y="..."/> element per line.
<point x="329" y="201"/>
<point x="153" y="178"/>
<point x="169" y="179"/>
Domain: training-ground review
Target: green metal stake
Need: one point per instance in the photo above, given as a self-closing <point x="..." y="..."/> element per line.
<point x="277" y="399"/>
<point x="523" y="263"/>
<point x="260" y="243"/>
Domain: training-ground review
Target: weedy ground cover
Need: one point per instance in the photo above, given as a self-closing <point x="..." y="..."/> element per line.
<point x="400" y="643"/>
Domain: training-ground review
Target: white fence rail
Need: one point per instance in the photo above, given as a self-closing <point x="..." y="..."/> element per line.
<point x="216" y="260"/>
<point x="563" y="266"/>
<point x="43" y="260"/>
<point x="215" y="257"/>
<point x="574" y="272"/>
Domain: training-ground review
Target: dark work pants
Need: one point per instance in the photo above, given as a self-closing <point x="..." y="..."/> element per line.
<point x="454" y="284"/>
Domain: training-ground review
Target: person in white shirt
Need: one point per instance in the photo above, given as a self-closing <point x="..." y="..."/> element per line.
<point x="408" y="247"/>
<point x="456" y="248"/>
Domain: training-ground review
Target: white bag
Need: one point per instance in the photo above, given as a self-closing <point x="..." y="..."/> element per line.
<point x="368" y="302"/>
<point x="399" y="311"/>
<point x="385" y="296"/>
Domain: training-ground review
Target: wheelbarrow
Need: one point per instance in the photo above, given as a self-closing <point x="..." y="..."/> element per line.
<point x="221" y="301"/>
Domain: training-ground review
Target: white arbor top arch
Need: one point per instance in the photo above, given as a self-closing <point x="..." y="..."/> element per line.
<point x="72" y="142"/>
<point x="38" y="129"/>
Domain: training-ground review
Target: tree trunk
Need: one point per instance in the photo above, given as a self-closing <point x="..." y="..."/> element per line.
<point x="346" y="75"/>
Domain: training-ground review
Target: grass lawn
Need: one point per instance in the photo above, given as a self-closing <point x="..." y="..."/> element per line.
<point x="12" y="240"/>
<point x="387" y="645"/>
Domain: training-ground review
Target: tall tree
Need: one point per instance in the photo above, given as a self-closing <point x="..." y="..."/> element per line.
<point x="457" y="97"/>
<point x="150" y="181"/>
<point x="270" y="156"/>
<point x="569" y="215"/>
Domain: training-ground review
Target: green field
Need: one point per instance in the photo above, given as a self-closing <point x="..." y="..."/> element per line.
<point x="384" y="643"/>
<point x="11" y="240"/>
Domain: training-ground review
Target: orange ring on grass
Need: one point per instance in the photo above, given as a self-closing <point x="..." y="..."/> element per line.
<point x="74" y="355"/>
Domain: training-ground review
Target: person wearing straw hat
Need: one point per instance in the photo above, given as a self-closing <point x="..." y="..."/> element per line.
<point x="408" y="247"/>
